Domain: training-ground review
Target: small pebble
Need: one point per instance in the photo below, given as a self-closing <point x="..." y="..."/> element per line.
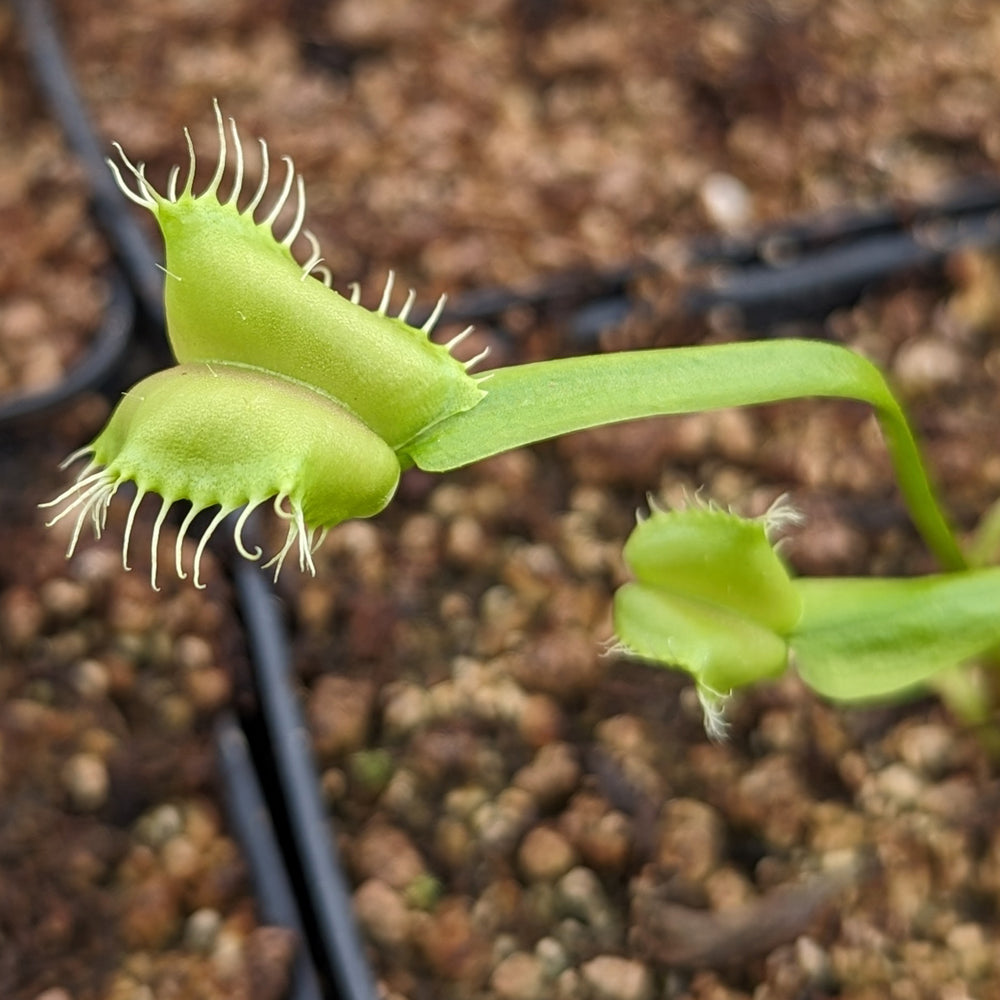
<point x="209" y="689"/>
<point x="519" y="976"/>
<point x="453" y="841"/>
<point x="552" y="956"/>
<point x="91" y="679"/>
<point x="560" y="663"/>
<point x="465" y="542"/>
<point x="726" y="201"/>
<point x="501" y="822"/>
<point x="65" y="600"/>
<point x="893" y="788"/>
<point x="690" y="838"/>
<point x="573" y="936"/>
<point x="929" y="749"/>
<point x="814" y="961"/>
<point x="925" y="365"/>
<point x="545" y="855"/>
<point x="772" y="798"/>
<point x="382" y="913"/>
<point x="611" y="977"/>
<point x="540" y="721"/>
<point x="452" y="945"/>
<point x="228" y="954"/>
<point x="21" y="617"/>
<point x="201" y="930"/>
<point x="499" y="905"/>
<point x="406" y="708"/>
<point x="85" y="778"/>
<point x="602" y="835"/>
<point x="181" y="858"/>
<point x="551" y="775"/>
<point x="579" y="894"/>
<point x="152" y="912"/>
<point x="386" y="852"/>
<point x="159" y="825"/>
<point x="974" y="954"/>
<point x="193" y="652"/>
<point x="569" y="986"/>
<point x="340" y="710"/>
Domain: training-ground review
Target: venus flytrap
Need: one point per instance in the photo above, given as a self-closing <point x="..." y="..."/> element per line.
<point x="285" y="389"/>
<point x="289" y="391"/>
<point x="711" y="596"/>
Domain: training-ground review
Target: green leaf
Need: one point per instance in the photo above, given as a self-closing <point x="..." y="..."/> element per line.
<point x="705" y="552"/>
<point x="529" y="403"/>
<point x="867" y="638"/>
<point x="720" y="648"/>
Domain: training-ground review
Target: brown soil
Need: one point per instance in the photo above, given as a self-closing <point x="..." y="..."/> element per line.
<point x="521" y="816"/>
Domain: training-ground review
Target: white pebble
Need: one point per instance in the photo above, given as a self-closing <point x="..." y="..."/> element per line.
<point x="726" y="201"/>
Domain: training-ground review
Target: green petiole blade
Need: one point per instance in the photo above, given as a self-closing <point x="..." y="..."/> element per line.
<point x="866" y="638"/>
<point x="530" y="403"/>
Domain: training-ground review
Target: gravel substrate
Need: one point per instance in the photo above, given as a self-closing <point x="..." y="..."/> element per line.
<point x="521" y="815"/>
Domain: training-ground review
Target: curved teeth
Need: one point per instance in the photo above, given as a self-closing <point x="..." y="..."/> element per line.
<point x="458" y="338"/>
<point x="265" y="171"/>
<point x="472" y="362"/>
<point x="300" y="212"/>
<point x="435" y="315"/>
<point x="182" y="531"/>
<point x="315" y="257"/>
<point x="297" y="531"/>
<point x="387" y="293"/>
<point x="407" y="305"/>
<point x="220" y="166"/>
<point x="192" y="163"/>
<point x="203" y="541"/>
<point x="144" y="196"/>
<point x="286" y="190"/>
<point x="238" y="172"/>
<point x="172" y="183"/>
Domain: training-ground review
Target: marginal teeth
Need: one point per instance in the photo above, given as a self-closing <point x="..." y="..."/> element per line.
<point x="472" y="362"/>
<point x="129" y="521"/>
<point x="435" y="315"/>
<point x="192" y="162"/>
<point x="209" y="531"/>
<point x="265" y="171"/>
<point x="157" y="525"/>
<point x="238" y="175"/>
<point x="387" y="293"/>
<point x="172" y="183"/>
<point x="220" y="166"/>
<point x="316" y="254"/>
<point x="286" y="190"/>
<point x="189" y="517"/>
<point x="458" y="338"/>
<point x="297" y="531"/>
<point x="143" y="197"/>
<point x="404" y="313"/>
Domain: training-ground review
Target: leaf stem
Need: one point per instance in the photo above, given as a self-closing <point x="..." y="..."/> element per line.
<point x="533" y="402"/>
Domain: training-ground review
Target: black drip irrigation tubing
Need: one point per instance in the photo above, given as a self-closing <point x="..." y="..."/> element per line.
<point x="269" y="775"/>
<point x="102" y="360"/>
<point x="807" y="271"/>
<point x="253" y="824"/>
